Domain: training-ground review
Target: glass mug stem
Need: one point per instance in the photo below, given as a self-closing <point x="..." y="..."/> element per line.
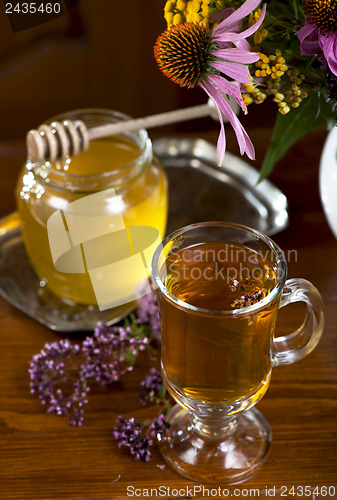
<point x="215" y="428"/>
<point x="219" y="288"/>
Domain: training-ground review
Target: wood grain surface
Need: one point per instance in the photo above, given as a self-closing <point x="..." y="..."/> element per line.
<point x="41" y="457"/>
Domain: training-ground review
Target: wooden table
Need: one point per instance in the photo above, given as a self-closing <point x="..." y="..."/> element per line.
<point x="41" y="457"/>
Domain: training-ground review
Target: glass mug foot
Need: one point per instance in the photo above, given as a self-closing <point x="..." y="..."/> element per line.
<point x="230" y="456"/>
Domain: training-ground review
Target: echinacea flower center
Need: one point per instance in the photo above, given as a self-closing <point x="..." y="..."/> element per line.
<point x="323" y="13"/>
<point x="182" y="53"/>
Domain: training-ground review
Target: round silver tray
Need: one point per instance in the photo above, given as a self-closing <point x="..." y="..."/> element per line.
<point x="201" y="191"/>
<point x="198" y="191"/>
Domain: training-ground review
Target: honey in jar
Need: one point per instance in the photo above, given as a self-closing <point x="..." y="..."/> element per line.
<point x="94" y="202"/>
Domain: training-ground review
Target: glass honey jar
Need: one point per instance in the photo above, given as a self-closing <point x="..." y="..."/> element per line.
<point x="79" y="216"/>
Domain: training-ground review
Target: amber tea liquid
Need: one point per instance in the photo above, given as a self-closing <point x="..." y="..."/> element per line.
<point x="209" y="357"/>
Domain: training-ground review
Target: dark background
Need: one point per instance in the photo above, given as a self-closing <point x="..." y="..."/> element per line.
<point x="97" y="54"/>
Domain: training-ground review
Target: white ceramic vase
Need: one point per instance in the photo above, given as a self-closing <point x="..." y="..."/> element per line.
<point x="328" y="179"/>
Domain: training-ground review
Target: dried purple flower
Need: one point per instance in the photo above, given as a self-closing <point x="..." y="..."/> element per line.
<point x="158" y="427"/>
<point x="235" y="285"/>
<point x="137" y="436"/>
<point x="148" y="312"/>
<point x="56" y="378"/>
<point x="110" y="353"/>
<point x="117" y="479"/>
<point x="60" y="373"/>
<point x="152" y="386"/>
<point x="131" y="433"/>
<point x="249" y="299"/>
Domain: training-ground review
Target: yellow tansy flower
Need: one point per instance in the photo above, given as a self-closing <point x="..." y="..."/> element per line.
<point x="181" y="4"/>
<point x="177" y="19"/>
<point x="193" y="6"/>
<point x="169" y="18"/>
<point x="169" y="6"/>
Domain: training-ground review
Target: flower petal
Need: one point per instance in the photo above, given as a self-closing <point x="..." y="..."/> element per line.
<point x="237" y="15"/>
<point x="242" y="44"/>
<point x="329" y="46"/>
<point x="221" y="144"/>
<point x="306" y="30"/>
<point x="308" y="36"/>
<point x="238" y="72"/>
<point x="230" y="37"/>
<point x="243" y="139"/>
<point x="237" y="55"/>
<point x="227" y="88"/>
<point x="223" y="14"/>
<point x="245" y="144"/>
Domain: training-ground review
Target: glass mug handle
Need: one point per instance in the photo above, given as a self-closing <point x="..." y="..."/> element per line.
<point x="295" y="346"/>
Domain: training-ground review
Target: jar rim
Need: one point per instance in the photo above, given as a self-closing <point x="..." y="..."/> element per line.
<point x="95" y="117"/>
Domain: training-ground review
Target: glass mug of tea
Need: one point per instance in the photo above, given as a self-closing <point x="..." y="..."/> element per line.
<point x="219" y="288"/>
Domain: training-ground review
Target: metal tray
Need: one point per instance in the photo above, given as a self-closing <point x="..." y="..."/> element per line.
<point x="20" y="285"/>
<point x="198" y="191"/>
<point x="201" y="191"/>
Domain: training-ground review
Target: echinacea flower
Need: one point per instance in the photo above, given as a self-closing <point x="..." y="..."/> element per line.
<point x="217" y="59"/>
<point x="319" y="33"/>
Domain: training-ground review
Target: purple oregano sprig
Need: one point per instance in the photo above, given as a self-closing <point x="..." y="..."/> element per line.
<point x="61" y="374"/>
<point x="57" y="380"/>
<point x="139" y="437"/>
<point x="153" y="388"/>
<point x="148" y="313"/>
<point x="132" y="434"/>
<point x="110" y="353"/>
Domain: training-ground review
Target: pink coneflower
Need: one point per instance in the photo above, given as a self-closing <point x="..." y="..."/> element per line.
<point x="319" y="33"/>
<point x="215" y="59"/>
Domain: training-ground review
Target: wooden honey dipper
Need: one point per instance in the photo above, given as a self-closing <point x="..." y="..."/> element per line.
<point x="61" y="140"/>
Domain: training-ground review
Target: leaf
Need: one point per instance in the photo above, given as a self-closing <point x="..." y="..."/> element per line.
<point x="312" y="113"/>
<point x="129" y="357"/>
<point x="167" y="408"/>
<point x="137" y="329"/>
<point x="162" y="391"/>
